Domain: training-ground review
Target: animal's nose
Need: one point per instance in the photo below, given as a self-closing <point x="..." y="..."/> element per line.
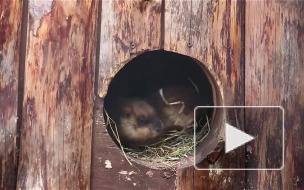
<point x="159" y="126"/>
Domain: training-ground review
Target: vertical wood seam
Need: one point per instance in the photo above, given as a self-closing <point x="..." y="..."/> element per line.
<point x="22" y="54"/>
<point x="96" y="86"/>
<point x="96" y="83"/>
<point x="162" y="25"/>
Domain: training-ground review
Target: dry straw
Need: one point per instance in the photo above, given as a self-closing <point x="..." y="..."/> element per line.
<point x="111" y="123"/>
<point x="175" y="146"/>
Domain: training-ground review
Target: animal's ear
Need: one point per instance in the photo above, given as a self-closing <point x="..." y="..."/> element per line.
<point x="126" y="112"/>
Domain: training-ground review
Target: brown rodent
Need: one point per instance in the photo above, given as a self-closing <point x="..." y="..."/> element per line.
<point x="176" y="107"/>
<point x="137" y="122"/>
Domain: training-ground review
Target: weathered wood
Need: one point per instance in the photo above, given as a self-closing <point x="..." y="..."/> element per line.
<point x="10" y="35"/>
<point x="185" y="178"/>
<point x="128" y="27"/>
<point x="115" y="178"/>
<point x="274" y="76"/>
<point x="212" y="32"/>
<point x="58" y="95"/>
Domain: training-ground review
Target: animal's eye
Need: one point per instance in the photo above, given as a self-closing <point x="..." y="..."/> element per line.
<point x="141" y="120"/>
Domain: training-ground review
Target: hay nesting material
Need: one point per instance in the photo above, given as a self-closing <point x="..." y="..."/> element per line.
<point x="111" y="123"/>
<point x="173" y="147"/>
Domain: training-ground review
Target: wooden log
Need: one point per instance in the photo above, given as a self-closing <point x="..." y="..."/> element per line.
<point x="128" y="28"/>
<point x="10" y="38"/>
<point x="58" y="95"/>
<point x="274" y="73"/>
<point x="213" y="33"/>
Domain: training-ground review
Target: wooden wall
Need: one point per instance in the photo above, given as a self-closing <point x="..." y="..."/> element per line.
<point x="59" y="71"/>
<point x="10" y="38"/>
<point x="211" y="32"/>
<point x="48" y="62"/>
<point x="128" y="28"/>
<point x="55" y="149"/>
<point x="274" y="76"/>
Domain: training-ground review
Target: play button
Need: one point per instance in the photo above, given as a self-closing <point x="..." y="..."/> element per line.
<point x="261" y="151"/>
<point x="235" y="138"/>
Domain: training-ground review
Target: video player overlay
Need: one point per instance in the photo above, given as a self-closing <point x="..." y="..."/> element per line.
<point x="241" y="138"/>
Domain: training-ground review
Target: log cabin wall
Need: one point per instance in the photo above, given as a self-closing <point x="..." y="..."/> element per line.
<point x="254" y="50"/>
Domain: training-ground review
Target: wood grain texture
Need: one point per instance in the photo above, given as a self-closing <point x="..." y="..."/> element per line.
<point x="185" y="178"/>
<point x="10" y="35"/>
<point x="274" y="76"/>
<point x="128" y="27"/>
<point x="114" y="178"/>
<point x="58" y="95"/>
<point x="213" y="33"/>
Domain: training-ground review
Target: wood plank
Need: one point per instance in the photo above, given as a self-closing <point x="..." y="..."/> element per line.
<point x="274" y="73"/>
<point x="111" y="178"/>
<point x="185" y="178"/>
<point x="213" y="33"/>
<point x="10" y="38"/>
<point x="58" y="95"/>
<point x="128" y="28"/>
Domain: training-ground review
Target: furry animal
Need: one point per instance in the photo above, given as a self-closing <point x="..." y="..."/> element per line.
<point x="137" y="122"/>
<point x="176" y="107"/>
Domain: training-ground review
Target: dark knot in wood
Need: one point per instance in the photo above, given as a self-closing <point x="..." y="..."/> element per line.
<point x="133" y="45"/>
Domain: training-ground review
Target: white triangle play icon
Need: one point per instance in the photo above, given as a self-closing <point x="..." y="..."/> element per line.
<point x="235" y="138"/>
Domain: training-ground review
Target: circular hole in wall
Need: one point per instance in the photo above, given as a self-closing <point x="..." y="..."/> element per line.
<point x="149" y="109"/>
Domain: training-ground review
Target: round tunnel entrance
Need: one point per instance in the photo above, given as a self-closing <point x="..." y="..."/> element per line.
<point x="177" y="81"/>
